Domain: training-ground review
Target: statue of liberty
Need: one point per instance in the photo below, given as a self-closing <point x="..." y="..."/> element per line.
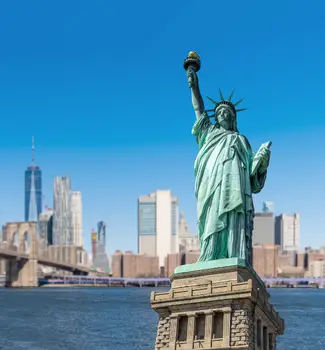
<point x="227" y="173"/>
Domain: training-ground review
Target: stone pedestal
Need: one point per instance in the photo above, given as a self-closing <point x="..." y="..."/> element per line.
<point x="216" y="308"/>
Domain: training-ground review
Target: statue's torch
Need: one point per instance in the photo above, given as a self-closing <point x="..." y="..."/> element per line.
<point x="192" y="61"/>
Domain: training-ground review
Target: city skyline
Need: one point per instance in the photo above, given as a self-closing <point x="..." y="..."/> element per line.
<point x="86" y="242"/>
<point x="72" y="83"/>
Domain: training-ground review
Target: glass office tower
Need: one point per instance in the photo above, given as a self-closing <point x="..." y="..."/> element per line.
<point x="33" y="190"/>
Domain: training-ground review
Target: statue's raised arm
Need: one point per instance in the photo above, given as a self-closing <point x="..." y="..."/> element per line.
<point x="192" y="65"/>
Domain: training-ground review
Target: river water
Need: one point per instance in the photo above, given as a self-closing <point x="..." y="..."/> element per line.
<point x="121" y="318"/>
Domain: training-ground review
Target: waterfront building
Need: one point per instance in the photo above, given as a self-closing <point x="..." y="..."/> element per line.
<point x="33" y="190"/>
<point x="172" y="261"/>
<point x="76" y="218"/>
<point x="316" y="269"/>
<point x="288" y="265"/>
<point x="312" y="255"/>
<point x="287" y="258"/>
<point x="265" y="260"/>
<point x="45" y="227"/>
<point x="117" y="264"/>
<point x="263" y="232"/>
<point x="62" y="233"/>
<point x="287" y="231"/>
<point x="158" y="225"/>
<point x="130" y="265"/>
<point x="101" y="259"/>
<point x="301" y="260"/>
<point x="186" y="239"/>
<point x="191" y="257"/>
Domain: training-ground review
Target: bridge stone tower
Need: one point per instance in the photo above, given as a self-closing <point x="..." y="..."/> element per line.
<point x="21" y="270"/>
<point x="216" y="308"/>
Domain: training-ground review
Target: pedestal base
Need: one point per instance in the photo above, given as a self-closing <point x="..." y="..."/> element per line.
<point x="216" y="308"/>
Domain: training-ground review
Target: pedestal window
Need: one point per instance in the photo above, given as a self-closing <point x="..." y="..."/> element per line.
<point x="199" y="327"/>
<point x="217" y="326"/>
<point x="182" y="328"/>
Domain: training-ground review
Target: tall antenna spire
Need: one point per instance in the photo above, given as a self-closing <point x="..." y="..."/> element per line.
<point x="33" y="150"/>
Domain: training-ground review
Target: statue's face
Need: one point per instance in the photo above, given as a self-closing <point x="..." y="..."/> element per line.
<point x="225" y="118"/>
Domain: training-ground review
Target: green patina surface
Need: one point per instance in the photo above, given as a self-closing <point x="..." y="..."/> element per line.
<point x="212" y="264"/>
<point x="216" y="264"/>
<point x="227" y="172"/>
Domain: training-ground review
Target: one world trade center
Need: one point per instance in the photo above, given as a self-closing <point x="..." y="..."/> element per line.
<point x="33" y="190"/>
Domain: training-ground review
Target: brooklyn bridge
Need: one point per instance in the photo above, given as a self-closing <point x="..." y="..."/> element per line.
<point x="24" y="252"/>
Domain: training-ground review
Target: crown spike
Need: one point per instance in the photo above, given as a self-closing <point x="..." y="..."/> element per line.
<point x="241" y="109"/>
<point x="213" y="101"/>
<point x="221" y="97"/>
<point x="231" y="95"/>
<point x="238" y="102"/>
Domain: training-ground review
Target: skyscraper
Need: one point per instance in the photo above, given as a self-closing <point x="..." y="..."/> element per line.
<point x="67" y="217"/>
<point x="263" y="232"/>
<point x="62" y="233"/>
<point x="33" y="189"/>
<point x="287" y="231"/>
<point x="93" y="236"/>
<point x="100" y="258"/>
<point x="101" y="229"/>
<point x="158" y="224"/>
<point x="76" y="218"/>
<point x="45" y="227"/>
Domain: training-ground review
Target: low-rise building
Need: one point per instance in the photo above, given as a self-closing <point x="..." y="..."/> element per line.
<point x="316" y="269"/>
<point x="130" y="265"/>
<point x="117" y="264"/>
<point x="172" y="261"/>
<point x="191" y="257"/>
<point x="265" y="260"/>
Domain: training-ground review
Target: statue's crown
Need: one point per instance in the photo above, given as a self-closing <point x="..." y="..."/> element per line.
<point x="227" y="103"/>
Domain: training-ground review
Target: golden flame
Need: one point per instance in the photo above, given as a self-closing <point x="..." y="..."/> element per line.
<point x="193" y="54"/>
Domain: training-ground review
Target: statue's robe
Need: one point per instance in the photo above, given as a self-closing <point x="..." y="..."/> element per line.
<point x="223" y="188"/>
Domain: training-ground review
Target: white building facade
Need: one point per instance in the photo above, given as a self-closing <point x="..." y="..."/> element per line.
<point x="263" y="232"/>
<point x="76" y="218"/>
<point x="61" y="206"/>
<point x="158" y="224"/>
<point x="67" y="213"/>
<point x="287" y="227"/>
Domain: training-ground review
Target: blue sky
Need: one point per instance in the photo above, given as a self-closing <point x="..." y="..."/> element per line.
<point x="102" y="88"/>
